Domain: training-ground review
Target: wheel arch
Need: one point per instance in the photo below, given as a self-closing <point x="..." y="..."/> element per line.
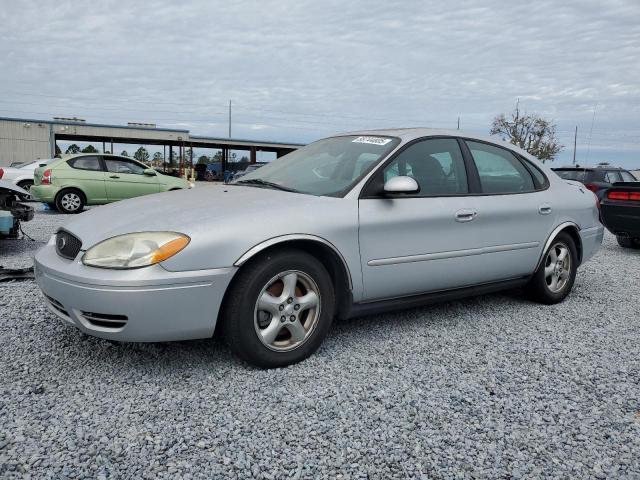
<point x="573" y="230"/>
<point x="318" y="247"/>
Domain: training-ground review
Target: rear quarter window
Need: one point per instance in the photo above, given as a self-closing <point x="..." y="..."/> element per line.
<point x="85" y="163"/>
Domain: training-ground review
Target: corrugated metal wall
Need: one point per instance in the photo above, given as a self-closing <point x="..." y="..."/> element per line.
<point x="23" y="141"/>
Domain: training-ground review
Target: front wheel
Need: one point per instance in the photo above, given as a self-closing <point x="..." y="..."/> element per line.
<point x="279" y="309"/>
<point x="554" y="279"/>
<point x="70" y="200"/>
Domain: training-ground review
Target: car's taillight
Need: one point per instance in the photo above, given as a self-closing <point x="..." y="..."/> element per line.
<point x="633" y="196"/>
<point x="591" y="186"/>
<point x="1" y="172"/>
<point x="46" y="177"/>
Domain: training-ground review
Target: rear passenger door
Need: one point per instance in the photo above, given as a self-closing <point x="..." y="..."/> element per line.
<point x="515" y="213"/>
<point x="126" y="179"/>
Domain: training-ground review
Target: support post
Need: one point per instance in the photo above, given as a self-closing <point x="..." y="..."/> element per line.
<point x="575" y="141"/>
<point x="252" y="158"/>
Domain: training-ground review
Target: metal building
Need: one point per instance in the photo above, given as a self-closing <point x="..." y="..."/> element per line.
<point x="23" y="140"/>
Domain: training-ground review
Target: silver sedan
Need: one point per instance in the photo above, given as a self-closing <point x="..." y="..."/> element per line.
<point x="346" y="226"/>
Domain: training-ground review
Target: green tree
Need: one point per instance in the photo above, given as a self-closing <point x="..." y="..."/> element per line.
<point x="124" y="153"/>
<point x="528" y="131"/>
<point x="72" y="149"/>
<point x="158" y="157"/>
<point x="141" y="155"/>
<point x="217" y="157"/>
<point x="58" y="151"/>
<point x="203" y="159"/>
<point x="89" y="149"/>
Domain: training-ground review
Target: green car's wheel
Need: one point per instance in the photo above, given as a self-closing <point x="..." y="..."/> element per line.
<point x="70" y="200"/>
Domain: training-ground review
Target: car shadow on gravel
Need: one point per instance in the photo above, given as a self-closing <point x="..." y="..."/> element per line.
<point x="210" y="353"/>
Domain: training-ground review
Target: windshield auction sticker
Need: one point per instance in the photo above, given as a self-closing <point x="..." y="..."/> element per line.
<point x="372" y="140"/>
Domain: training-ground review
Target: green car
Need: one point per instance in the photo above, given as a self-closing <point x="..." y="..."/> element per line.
<point x="70" y="183"/>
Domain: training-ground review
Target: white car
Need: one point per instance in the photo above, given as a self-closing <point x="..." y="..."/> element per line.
<point x="22" y="176"/>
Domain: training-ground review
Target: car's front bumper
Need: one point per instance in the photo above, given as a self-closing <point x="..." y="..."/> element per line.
<point x="143" y="305"/>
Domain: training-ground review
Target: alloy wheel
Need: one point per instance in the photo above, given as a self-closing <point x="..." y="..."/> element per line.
<point x="557" y="267"/>
<point x="71" y="201"/>
<point x="287" y="311"/>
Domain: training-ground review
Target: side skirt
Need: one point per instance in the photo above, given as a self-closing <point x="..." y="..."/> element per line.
<point x="380" y="306"/>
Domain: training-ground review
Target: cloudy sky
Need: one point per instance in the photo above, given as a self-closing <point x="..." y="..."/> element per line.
<point x="299" y="70"/>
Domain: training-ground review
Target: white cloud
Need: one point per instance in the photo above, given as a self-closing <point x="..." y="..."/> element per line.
<point x="305" y="69"/>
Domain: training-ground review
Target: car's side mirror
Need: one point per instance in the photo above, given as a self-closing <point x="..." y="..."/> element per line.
<point x="150" y="171"/>
<point x="401" y="184"/>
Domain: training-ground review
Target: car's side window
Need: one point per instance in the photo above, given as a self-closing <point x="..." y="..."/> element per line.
<point x="85" y="163"/>
<point x="121" y="165"/>
<point x="627" y="177"/>
<point x="499" y="170"/>
<point x="539" y="177"/>
<point x="436" y="164"/>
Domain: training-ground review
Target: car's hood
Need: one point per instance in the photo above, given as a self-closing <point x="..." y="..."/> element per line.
<point x="7" y="185"/>
<point x="197" y="212"/>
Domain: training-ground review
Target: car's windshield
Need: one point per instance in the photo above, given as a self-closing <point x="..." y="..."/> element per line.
<point x="327" y="167"/>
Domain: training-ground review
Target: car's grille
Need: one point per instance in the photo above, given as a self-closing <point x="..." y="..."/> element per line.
<point x="67" y="245"/>
<point x="105" y="320"/>
<point x="57" y="306"/>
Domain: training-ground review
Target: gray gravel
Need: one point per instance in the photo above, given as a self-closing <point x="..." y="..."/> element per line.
<point x="493" y="386"/>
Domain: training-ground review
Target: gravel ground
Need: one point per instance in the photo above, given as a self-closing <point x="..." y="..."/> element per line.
<point x="493" y="386"/>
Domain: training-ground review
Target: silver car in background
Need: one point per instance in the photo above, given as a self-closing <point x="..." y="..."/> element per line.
<point x="346" y="226"/>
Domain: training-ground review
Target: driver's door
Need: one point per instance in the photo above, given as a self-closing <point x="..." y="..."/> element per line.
<point x="126" y="179"/>
<point x="411" y="244"/>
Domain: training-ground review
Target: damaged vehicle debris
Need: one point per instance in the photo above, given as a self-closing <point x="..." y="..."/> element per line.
<point x="12" y="212"/>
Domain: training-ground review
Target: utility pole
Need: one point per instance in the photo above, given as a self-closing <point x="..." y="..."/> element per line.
<point x="458" y="122"/>
<point x="575" y="140"/>
<point x="229" y="118"/>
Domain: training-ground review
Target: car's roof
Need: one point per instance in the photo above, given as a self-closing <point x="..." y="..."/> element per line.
<point x="589" y="169"/>
<point x="408" y="134"/>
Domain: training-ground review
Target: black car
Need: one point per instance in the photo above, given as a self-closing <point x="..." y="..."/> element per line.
<point x="597" y="179"/>
<point x="620" y="212"/>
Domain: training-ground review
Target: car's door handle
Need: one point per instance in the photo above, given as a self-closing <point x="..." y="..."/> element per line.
<point x="465" y="215"/>
<point x="114" y="176"/>
<point x="544" y="209"/>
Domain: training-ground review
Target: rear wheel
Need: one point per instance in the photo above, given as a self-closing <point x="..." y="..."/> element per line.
<point x="554" y="279"/>
<point x="279" y="309"/>
<point x="70" y="200"/>
<point x="628" y="242"/>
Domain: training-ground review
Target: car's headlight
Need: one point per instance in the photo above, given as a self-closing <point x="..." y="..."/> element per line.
<point x="134" y="250"/>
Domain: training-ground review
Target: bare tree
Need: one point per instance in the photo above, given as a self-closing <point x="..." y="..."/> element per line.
<point x="528" y="131"/>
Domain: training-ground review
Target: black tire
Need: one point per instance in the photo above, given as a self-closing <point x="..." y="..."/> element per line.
<point x="26" y="185"/>
<point x="539" y="288"/>
<point x="65" y="206"/>
<point x="240" y="323"/>
<point x="628" y="242"/>
<point x="52" y="206"/>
